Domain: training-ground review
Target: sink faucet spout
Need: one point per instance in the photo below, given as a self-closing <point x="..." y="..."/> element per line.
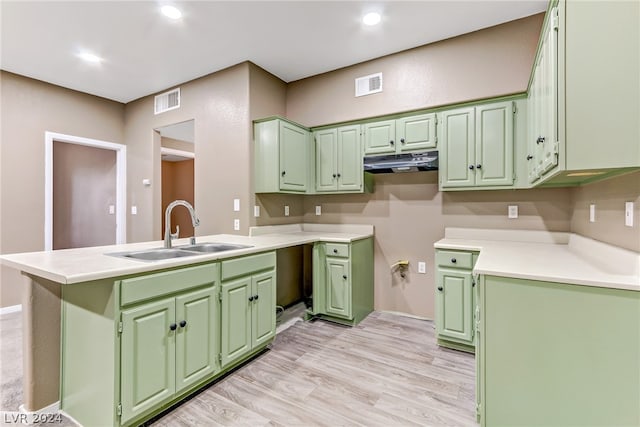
<point x="167" y="219"/>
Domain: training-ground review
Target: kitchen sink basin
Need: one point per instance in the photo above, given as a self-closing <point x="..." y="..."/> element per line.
<point x="213" y="247"/>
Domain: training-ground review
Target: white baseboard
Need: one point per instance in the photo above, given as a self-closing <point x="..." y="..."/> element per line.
<point x="34" y="416"/>
<point x="10" y="309"/>
<point x="413" y="316"/>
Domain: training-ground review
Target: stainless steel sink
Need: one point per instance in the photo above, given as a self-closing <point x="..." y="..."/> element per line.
<point x="213" y="247"/>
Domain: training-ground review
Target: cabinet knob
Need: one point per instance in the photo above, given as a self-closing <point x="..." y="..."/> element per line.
<point x="335" y="251"/>
<point x="440" y="288"/>
<point x="173" y="326"/>
<point x="251" y="298"/>
<point x="391" y="142"/>
<point x="540" y="140"/>
<point x="478" y="166"/>
<point x="453" y="260"/>
<point x="402" y="140"/>
<point x="284" y="173"/>
<point x="344" y="276"/>
<point x="255" y="297"/>
<point x="529" y="157"/>
<point x="471" y="167"/>
<point x="183" y="323"/>
<point x="339" y="175"/>
<point x="334" y="175"/>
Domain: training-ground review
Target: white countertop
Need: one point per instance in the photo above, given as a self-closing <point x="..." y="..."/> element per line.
<point x="547" y="256"/>
<point x="80" y="265"/>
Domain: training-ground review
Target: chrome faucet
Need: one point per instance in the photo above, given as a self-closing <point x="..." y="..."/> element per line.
<point x="167" y="220"/>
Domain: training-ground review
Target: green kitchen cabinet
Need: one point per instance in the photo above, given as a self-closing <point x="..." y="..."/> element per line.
<point x="343" y="281"/>
<point x="248" y="305"/>
<point x="339" y="160"/>
<point x="584" y="93"/>
<point x="406" y="134"/>
<point x="455" y="299"/>
<point x="556" y="354"/>
<point x="167" y="347"/>
<point x="282" y="157"/>
<point x="477" y="148"/>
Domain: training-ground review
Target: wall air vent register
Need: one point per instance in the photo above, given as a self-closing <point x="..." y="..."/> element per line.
<point x="167" y="101"/>
<point x="369" y="84"/>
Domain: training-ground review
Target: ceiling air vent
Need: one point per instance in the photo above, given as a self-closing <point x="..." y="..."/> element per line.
<point x="369" y="84"/>
<point x="167" y="101"/>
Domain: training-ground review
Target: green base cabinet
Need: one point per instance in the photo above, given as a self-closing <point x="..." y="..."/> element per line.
<point x="455" y="299"/>
<point x="343" y="281"/>
<point x="553" y="354"/>
<point x="248" y="305"/>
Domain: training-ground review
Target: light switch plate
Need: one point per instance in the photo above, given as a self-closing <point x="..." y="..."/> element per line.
<point x="112" y="209"/>
<point x="286" y="210"/>
<point x="318" y="210"/>
<point x="236" y="224"/>
<point x="592" y="213"/>
<point x="422" y="267"/>
<point x="513" y="211"/>
<point x="236" y="205"/>
<point x="628" y="214"/>
<point x="134" y="210"/>
<point x="256" y="211"/>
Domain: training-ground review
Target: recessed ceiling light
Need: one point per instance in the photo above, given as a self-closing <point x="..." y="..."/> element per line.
<point x="90" y="57"/>
<point x="171" y="12"/>
<point x="371" y="18"/>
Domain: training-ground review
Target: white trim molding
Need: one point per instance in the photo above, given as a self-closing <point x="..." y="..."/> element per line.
<point x="121" y="182"/>
<point x="174" y="152"/>
<point x="10" y="309"/>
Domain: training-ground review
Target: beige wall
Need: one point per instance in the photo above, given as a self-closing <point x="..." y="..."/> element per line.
<point x="483" y="64"/>
<point x="609" y="197"/>
<point x="29" y="108"/>
<point x="176" y="144"/>
<point x="84" y="185"/>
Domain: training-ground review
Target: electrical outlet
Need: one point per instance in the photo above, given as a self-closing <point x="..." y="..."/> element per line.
<point x="134" y="210"/>
<point x="256" y="211"/>
<point x="592" y="213"/>
<point x="422" y="267"/>
<point x="513" y="211"/>
<point x="236" y="224"/>
<point x="236" y="205"/>
<point x="112" y="209"/>
<point x="318" y="210"/>
<point x="628" y="214"/>
<point x="286" y="210"/>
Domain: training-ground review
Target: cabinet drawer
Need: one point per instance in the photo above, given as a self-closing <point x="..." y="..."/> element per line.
<point x="454" y="259"/>
<point x="247" y="265"/>
<point x="337" y="249"/>
<point x="168" y="282"/>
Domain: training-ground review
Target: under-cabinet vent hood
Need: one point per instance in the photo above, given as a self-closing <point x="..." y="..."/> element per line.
<point x="410" y="162"/>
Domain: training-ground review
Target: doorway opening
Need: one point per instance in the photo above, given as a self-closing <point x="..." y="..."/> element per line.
<point x="85" y="192"/>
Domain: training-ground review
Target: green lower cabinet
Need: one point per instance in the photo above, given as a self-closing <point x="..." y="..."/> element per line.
<point x="455" y="299"/>
<point x="343" y="281"/>
<point x="554" y="354"/>
<point x="236" y="319"/>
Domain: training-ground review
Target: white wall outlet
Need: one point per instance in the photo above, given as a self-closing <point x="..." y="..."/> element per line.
<point x="256" y="211"/>
<point x="112" y="209"/>
<point x="318" y="210"/>
<point x="628" y="214"/>
<point x="236" y="205"/>
<point x="286" y="210"/>
<point x="134" y="210"/>
<point x="592" y="213"/>
<point x="422" y="267"/>
<point x="513" y="211"/>
<point x="236" y="224"/>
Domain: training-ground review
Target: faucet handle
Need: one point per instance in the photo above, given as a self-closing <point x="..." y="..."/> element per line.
<point x="176" y="234"/>
<point x="192" y="240"/>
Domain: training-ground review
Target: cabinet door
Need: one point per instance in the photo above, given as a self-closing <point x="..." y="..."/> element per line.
<point x="293" y="157"/>
<point x="532" y="133"/>
<point x="338" y="287"/>
<point x="416" y="132"/>
<point x="263" y="308"/>
<point x="550" y="111"/>
<point x="147" y="372"/>
<point x="379" y="137"/>
<point x="494" y="144"/>
<point x="326" y="159"/>
<point x="349" y="158"/>
<point x="457" y="151"/>
<point x="196" y="337"/>
<point x="454" y="311"/>
<point x="235" y="320"/>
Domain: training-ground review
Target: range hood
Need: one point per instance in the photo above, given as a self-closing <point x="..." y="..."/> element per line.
<point x="410" y="162"/>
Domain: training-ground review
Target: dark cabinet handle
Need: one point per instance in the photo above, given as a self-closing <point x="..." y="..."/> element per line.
<point x="402" y="140"/>
<point x="284" y="173"/>
<point x="453" y="260"/>
<point x="251" y="298"/>
<point x="335" y="251"/>
<point x="183" y="323"/>
<point x="471" y="167"/>
<point x="173" y="326"/>
<point x="338" y="175"/>
<point x="540" y="140"/>
<point x="391" y="142"/>
<point x="334" y="175"/>
<point x="344" y="276"/>
<point x="478" y="166"/>
<point x="529" y="157"/>
<point x="255" y="297"/>
<point x="440" y="288"/>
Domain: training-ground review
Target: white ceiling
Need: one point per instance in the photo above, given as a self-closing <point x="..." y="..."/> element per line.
<point x="145" y="52"/>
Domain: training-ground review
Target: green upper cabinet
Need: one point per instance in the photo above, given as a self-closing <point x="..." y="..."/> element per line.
<point x="406" y="134"/>
<point x="339" y="160"/>
<point x="282" y="157"/>
<point x="477" y="147"/>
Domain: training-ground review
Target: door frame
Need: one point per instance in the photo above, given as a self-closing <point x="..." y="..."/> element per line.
<point x="121" y="182"/>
